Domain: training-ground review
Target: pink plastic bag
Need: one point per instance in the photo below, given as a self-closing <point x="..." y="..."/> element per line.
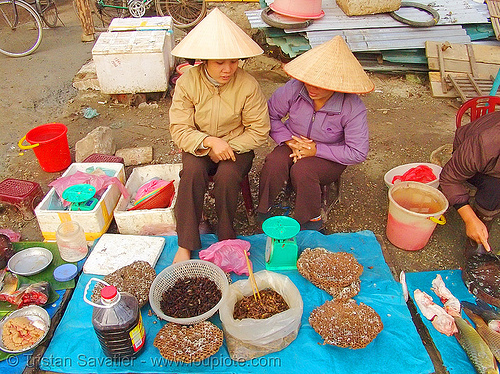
<point x="100" y="182"/>
<point x="229" y="255"/>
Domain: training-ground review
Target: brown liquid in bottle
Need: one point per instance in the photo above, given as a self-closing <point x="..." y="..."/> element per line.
<point x="119" y="328"/>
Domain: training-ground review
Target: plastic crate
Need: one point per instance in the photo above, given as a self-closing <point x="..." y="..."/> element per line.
<point x="100" y="157"/>
<point x="20" y="193"/>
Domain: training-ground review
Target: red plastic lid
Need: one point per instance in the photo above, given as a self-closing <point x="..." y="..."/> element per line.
<point x="109" y="292"/>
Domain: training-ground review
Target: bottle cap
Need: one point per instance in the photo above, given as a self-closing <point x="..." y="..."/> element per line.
<point x="65" y="272"/>
<point x="109" y="292"/>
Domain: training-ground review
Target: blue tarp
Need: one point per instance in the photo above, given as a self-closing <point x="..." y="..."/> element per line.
<point x="397" y="349"/>
<point x="454" y="357"/>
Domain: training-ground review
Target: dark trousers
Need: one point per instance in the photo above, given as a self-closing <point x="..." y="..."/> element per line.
<point x="307" y="176"/>
<point x="195" y="176"/>
<point x="488" y="191"/>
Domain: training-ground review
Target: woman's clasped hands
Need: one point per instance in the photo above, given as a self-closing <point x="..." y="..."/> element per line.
<point x="301" y="147"/>
<point x="220" y="150"/>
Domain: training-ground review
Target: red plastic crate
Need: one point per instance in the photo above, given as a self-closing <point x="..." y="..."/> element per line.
<point x="100" y="157"/>
<point x="20" y="193"/>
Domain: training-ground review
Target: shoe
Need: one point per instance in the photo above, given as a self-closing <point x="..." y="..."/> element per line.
<point x="312" y="225"/>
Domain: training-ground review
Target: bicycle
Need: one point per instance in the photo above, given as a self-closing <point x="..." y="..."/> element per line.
<point x="20" y="28"/>
<point x="184" y="13"/>
<point x="47" y="10"/>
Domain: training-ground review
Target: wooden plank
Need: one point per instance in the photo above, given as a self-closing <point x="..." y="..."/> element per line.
<point x="468" y="87"/>
<point x="476" y="86"/>
<point x="441" y="69"/>
<point x="494" y="10"/>
<point x="483" y="70"/>
<point x="457" y="87"/>
<point x="483" y="53"/>
<point x="437" y="88"/>
<point x="472" y="60"/>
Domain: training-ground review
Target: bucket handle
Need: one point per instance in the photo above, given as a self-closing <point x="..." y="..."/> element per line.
<point x="20" y="144"/>
<point x="440" y="221"/>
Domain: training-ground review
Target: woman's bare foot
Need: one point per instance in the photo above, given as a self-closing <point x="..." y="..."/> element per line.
<point x="182" y="254"/>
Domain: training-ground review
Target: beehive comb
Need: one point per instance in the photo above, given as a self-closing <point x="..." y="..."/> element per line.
<point x="188" y="343"/>
<point x="346" y="324"/>
<point x="335" y="272"/>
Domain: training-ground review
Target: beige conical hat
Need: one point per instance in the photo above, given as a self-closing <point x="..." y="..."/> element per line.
<point x="331" y="66"/>
<point x="216" y="37"/>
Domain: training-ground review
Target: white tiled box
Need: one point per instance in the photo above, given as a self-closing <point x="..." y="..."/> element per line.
<point x="133" y="61"/>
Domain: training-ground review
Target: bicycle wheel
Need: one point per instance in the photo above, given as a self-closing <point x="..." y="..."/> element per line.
<point x="48" y="11"/>
<point x="21" y="35"/>
<point x="184" y="13"/>
<point x="106" y="10"/>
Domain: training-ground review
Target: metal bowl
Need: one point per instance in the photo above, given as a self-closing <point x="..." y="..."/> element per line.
<point x="39" y="317"/>
<point x="30" y="261"/>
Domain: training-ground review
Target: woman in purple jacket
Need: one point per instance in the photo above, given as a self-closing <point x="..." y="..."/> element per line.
<point x="319" y="124"/>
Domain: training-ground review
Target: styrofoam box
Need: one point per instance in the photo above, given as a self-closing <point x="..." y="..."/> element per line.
<point x="148" y="23"/>
<point x="133" y="61"/>
<point x="147" y="221"/>
<point x="94" y="222"/>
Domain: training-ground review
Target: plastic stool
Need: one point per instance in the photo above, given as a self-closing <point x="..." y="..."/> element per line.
<point x="100" y="157"/>
<point x="21" y="194"/>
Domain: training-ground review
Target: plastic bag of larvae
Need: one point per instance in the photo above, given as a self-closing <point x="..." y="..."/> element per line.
<point x="257" y="327"/>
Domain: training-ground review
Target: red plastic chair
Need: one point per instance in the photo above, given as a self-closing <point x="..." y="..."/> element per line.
<point x="478" y="106"/>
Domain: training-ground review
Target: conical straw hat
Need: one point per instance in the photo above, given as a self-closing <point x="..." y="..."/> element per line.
<point x="331" y="66"/>
<point x="216" y="38"/>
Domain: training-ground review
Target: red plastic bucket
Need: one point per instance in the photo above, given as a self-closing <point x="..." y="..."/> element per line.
<point x="50" y="144"/>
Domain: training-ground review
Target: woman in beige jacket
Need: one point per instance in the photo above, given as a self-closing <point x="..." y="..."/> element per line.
<point x="217" y="118"/>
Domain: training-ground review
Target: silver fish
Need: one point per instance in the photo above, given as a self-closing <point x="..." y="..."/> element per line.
<point x="492" y="338"/>
<point x="476" y="348"/>
<point x="489" y="314"/>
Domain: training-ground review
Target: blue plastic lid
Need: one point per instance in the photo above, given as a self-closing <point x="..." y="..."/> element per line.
<point x="65" y="272"/>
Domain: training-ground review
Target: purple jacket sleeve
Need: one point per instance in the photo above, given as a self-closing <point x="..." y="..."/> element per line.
<point x="354" y="148"/>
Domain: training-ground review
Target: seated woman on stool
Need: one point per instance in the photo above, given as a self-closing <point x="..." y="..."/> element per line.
<point x="217" y="118"/>
<point x="320" y="126"/>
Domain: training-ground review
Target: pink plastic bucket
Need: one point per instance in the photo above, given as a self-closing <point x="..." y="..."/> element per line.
<point x="304" y="9"/>
<point x="414" y="211"/>
<point x="50" y="144"/>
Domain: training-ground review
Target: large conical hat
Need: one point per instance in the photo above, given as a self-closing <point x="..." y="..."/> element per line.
<point x="331" y="66"/>
<point x="215" y="38"/>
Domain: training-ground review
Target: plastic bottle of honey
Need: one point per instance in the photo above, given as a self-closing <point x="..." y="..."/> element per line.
<point x="118" y="323"/>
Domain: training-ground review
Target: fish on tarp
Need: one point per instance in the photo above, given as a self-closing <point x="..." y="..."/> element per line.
<point x="491" y="337"/>
<point x="476" y="348"/>
<point x="481" y="276"/>
<point x="489" y="314"/>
